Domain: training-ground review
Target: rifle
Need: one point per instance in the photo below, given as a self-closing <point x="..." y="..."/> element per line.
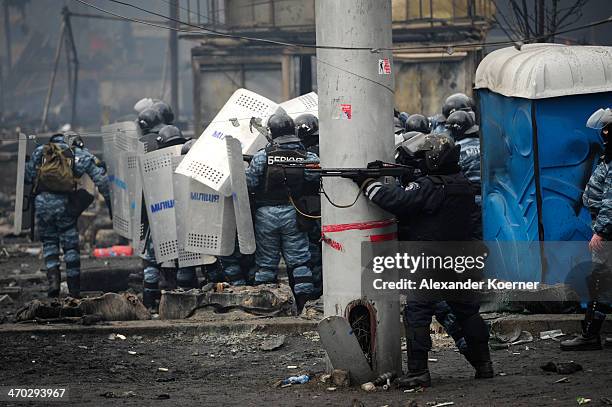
<point x="247" y="158"/>
<point x="375" y="169"/>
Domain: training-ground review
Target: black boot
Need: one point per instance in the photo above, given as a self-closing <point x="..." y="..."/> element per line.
<point x="588" y="340"/>
<point x="300" y="302"/>
<point x="151" y="294"/>
<point x="418" y="370"/>
<point x="477" y="351"/>
<point x="54" y="278"/>
<point x="74" y="286"/>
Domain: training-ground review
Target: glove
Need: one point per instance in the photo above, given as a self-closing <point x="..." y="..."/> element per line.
<point x="362" y="178"/>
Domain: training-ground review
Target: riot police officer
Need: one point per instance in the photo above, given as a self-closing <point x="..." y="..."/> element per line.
<point x="457" y="102"/>
<point x="435" y="207"/>
<point x="307" y="127"/>
<point x="276" y="229"/>
<point x="418" y="122"/>
<point x="464" y="130"/>
<point x="597" y="198"/>
<point x="53" y="169"/>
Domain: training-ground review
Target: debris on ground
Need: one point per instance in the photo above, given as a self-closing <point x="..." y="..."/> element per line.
<point x="301" y="379"/>
<point x="562" y="367"/>
<point x="447" y="403"/>
<point x="515" y="337"/>
<point x="110" y="306"/>
<point x="113" y="395"/>
<point x="563" y="380"/>
<point x="162" y="369"/>
<point x="6" y="300"/>
<point x="369" y="387"/>
<point x="262" y="300"/>
<point x="555" y="333"/>
<point x="582" y="400"/>
<point x="273" y="343"/>
<point x="340" y="378"/>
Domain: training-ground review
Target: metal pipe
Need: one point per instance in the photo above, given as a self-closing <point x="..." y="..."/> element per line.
<point x="174" y="81"/>
<point x="356" y="127"/>
<point x="58" y="52"/>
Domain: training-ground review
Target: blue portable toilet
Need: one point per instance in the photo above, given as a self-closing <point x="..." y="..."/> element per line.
<point x="537" y="154"/>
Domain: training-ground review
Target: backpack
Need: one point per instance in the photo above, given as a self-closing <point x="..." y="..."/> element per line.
<point x="55" y="173"/>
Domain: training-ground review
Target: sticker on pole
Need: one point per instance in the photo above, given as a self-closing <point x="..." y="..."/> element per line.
<point x="384" y="67"/>
<point x="347" y="111"/>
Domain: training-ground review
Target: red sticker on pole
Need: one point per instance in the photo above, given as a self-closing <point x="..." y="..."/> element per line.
<point x="347" y="111"/>
<point x="384" y="67"/>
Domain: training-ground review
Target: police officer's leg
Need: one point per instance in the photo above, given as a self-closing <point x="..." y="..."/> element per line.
<point x="186" y="278"/>
<point x="598" y="283"/>
<point x="168" y="277"/>
<point x="476" y="334"/>
<point x="49" y="237"/>
<point x="417" y="319"/>
<point x="213" y="272"/>
<point x="316" y="258"/>
<point x="296" y="252"/>
<point x="267" y="236"/>
<point x="150" y="292"/>
<point x="448" y="320"/>
<point x="69" y="239"/>
<point x="232" y="271"/>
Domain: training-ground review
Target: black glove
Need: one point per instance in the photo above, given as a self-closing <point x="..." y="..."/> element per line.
<point x="362" y="178"/>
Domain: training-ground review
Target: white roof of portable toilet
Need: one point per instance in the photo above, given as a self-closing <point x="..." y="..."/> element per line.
<point x="540" y="71"/>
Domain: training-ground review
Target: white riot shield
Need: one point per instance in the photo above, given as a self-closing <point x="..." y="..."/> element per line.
<point x="24" y="204"/>
<point x="308" y="103"/>
<point x="207" y="223"/>
<point x="156" y="170"/>
<point x="207" y="160"/>
<point x="134" y="182"/>
<point x="240" y="196"/>
<point x="124" y="136"/>
<point x="181" y="207"/>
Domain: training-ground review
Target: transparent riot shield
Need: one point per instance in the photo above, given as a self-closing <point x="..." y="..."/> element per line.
<point x="24" y="200"/>
<point x="207" y="160"/>
<point x="240" y="197"/>
<point x="156" y="171"/>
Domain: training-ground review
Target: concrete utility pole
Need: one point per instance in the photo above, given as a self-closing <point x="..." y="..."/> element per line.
<point x="355" y="89"/>
<point x="174" y="82"/>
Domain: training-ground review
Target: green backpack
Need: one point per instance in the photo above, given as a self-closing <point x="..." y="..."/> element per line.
<point x="55" y="173"/>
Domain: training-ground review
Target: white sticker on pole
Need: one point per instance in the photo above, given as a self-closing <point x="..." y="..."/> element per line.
<point x="384" y="66"/>
<point x="207" y="160"/>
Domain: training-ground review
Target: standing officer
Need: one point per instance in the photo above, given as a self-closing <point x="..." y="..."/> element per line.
<point x="54" y="169"/>
<point x="276" y="229"/>
<point x="464" y="130"/>
<point x="434" y="207"/>
<point x="597" y="198"/>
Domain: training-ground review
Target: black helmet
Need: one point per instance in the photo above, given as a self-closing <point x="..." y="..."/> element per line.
<point x="281" y="124"/>
<point x="440" y="153"/>
<point x="165" y="111"/>
<point x="418" y="122"/>
<point x="187" y="146"/>
<point x="170" y="136"/>
<point x="74" y="140"/>
<point x="461" y="124"/>
<point x="150" y="121"/>
<point x="307" y="127"/>
<point x="601" y="120"/>
<point x="457" y="101"/>
<point x="405" y="152"/>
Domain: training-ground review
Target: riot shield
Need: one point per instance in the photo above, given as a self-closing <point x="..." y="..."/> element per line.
<point x="24" y="201"/>
<point x="119" y="139"/>
<point x="181" y="197"/>
<point x="134" y="182"/>
<point x="308" y="103"/>
<point x="206" y="222"/>
<point x="156" y="171"/>
<point x="207" y="160"/>
<point x="240" y="195"/>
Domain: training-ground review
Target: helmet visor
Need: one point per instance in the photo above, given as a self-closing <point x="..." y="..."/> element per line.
<point x="600" y="119"/>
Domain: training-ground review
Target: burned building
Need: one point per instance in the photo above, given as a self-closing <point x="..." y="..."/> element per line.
<point x="424" y="75"/>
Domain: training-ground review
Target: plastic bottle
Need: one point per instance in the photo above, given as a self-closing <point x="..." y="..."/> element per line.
<point x="297" y="379"/>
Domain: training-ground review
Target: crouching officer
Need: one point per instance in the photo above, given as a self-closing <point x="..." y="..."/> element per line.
<point x="54" y="169"/>
<point x="434" y="207"/>
<point x="276" y="228"/>
<point x="597" y="198"/>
